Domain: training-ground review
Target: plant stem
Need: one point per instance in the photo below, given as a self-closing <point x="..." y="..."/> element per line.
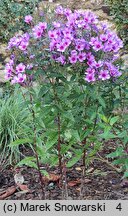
<point x="35" y="143"/>
<point x="35" y="147"/>
<point x="83" y="171"/>
<point x="109" y="164"/>
<point x="59" y="126"/>
<point x="59" y="145"/>
<point x="64" y="182"/>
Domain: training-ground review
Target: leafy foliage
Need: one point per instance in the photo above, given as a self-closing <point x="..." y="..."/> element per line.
<point x="12" y="16"/>
<point x="70" y="116"/>
<point x="119" y="10"/>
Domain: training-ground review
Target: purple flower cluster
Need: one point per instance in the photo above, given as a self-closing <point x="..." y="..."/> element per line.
<point x="81" y="37"/>
<point x="19" y="41"/>
<point x="16" y="75"/>
<point x="75" y="38"/>
<point x="17" y="72"/>
<point x="39" y="29"/>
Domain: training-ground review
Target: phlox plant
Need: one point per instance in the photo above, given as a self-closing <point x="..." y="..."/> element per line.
<point x="63" y="62"/>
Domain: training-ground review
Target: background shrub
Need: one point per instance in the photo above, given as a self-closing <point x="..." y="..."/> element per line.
<point x="12" y="14"/>
<point x="119" y="11"/>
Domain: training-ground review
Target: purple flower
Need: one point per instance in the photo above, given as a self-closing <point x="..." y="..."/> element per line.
<point x="14" y="80"/>
<point x="32" y="56"/>
<point x="29" y="66"/>
<point x="59" y="10"/>
<point x="67" y="12"/>
<point x="11" y="62"/>
<point x="104" y="74"/>
<point x="61" y="47"/>
<point x="66" y="42"/>
<point x="80" y="23"/>
<point x="41" y="13"/>
<point x="67" y="34"/>
<point x="80" y="44"/>
<point x="91" y="62"/>
<point x="90" y="71"/>
<point x="37" y="32"/>
<point x="114" y="72"/>
<point x="25" y="37"/>
<point x="61" y="59"/>
<point x="56" y="24"/>
<point x="98" y="64"/>
<point x="23" y="45"/>
<point x="90" y="56"/>
<point x="28" y="19"/>
<point x="52" y="34"/>
<point x="20" y="78"/>
<point x="93" y="40"/>
<point x="53" y="45"/>
<point x="13" y="42"/>
<point x="8" y="69"/>
<point x="97" y="46"/>
<point x="73" y="59"/>
<point x="7" y="76"/>
<point x="103" y="37"/>
<point x="81" y="56"/>
<point x="115" y="48"/>
<point x="74" y="52"/>
<point x="42" y="25"/>
<point x="107" y="47"/>
<point x="90" y="78"/>
<point x="20" y="68"/>
<point x="12" y="57"/>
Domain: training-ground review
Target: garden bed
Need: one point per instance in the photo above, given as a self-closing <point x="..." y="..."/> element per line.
<point x="101" y="183"/>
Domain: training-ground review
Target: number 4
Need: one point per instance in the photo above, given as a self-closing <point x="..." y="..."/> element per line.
<point x="119" y="207"/>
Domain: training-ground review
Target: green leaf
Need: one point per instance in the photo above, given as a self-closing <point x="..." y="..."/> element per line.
<point x="28" y="161"/>
<point x="101" y="101"/>
<point x="68" y="134"/>
<point x="116" y="153"/>
<point x="74" y="160"/>
<point x="125" y="174"/>
<point x="123" y="134"/>
<point x="52" y="139"/>
<point x="20" y="142"/>
<point x="113" y="120"/>
<point x="41" y="151"/>
<point x="43" y="91"/>
<point x="75" y="134"/>
<point x="103" y="118"/>
<point x="107" y="135"/>
<point x="45" y="173"/>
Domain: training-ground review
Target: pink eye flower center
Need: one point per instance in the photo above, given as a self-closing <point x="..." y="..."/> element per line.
<point x="98" y="45"/>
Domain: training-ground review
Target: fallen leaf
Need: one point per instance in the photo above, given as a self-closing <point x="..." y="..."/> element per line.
<point x="78" y="181"/>
<point x="86" y="181"/>
<point x="90" y="170"/>
<point x="8" y="192"/>
<point x="74" y="183"/>
<point x="23" y="187"/>
<point x="51" y="178"/>
<point x="19" y="179"/>
<point x="78" y="169"/>
<point x="78" y="189"/>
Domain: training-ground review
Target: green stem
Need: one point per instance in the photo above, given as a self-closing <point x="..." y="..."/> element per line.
<point x="35" y="141"/>
<point x="58" y="123"/>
